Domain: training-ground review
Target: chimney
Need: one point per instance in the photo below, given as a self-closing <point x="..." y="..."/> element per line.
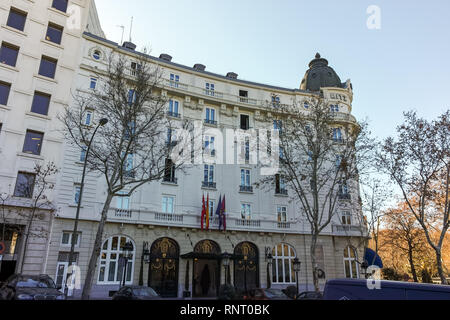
<point x="199" y="67"/>
<point x="129" y="45"/>
<point x="232" y="75"/>
<point x="165" y="56"/>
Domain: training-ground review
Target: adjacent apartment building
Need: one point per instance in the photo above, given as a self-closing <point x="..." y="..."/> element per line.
<point x="162" y="220"/>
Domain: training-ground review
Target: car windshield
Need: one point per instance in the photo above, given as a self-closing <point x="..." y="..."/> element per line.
<point x="144" y="292"/>
<point x="35" y="283"/>
<point x="273" y="293"/>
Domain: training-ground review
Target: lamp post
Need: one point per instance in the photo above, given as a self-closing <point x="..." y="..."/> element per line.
<point x="297" y="264"/>
<point x="127" y="249"/>
<point x="101" y="123"/>
<point x="364" y="266"/>
<point x="226" y="257"/>
<point x="269" y="259"/>
<point x="145" y="258"/>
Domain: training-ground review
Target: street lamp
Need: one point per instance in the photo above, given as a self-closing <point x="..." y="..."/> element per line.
<point x="127" y="250"/>
<point x="226" y="259"/>
<point x="101" y="123"/>
<point x="297" y="264"/>
<point x="269" y="259"/>
<point x="364" y="267"/>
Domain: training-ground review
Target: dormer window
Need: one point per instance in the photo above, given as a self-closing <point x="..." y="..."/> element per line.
<point x="209" y="90"/>
<point x="174" y="80"/>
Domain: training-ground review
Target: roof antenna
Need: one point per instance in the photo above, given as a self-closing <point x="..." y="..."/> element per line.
<point x="123" y="31"/>
<point x="131" y="27"/>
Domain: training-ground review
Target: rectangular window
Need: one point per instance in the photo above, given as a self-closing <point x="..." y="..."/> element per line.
<point x="169" y="172"/>
<point x="33" y="142"/>
<point x="66" y="239"/>
<point x="275" y="101"/>
<point x="128" y="165"/>
<point x="24" y="185"/>
<point x="174" y="80"/>
<point x="209" y="145"/>
<point x="210" y="116"/>
<point x="83" y="154"/>
<point x="282" y="214"/>
<point x="93" y="84"/>
<point x="123" y="203"/>
<point x="346" y="218"/>
<point x="4" y="93"/>
<point x="245" y="177"/>
<point x="54" y="33"/>
<point x="245" y="122"/>
<point x="208" y="173"/>
<point x="8" y="54"/>
<point x="60" y="5"/>
<point x="16" y="19"/>
<point x="210" y="87"/>
<point x="88" y="118"/>
<point x="131" y="96"/>
<point x="337" y="134"/>
<point x="277" y="125"/>
<point x="280" y="185"/>
<point x="174" y="108"/>
<point x="245" y="211"/>
<point x="41" y="103"/>
<point x="76" y="198"/>
<point x="334" y="108"/>
<point x="168" y="204"/>
<point x="48" y="67"/>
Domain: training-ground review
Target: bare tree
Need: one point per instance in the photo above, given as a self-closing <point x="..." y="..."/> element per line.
<point x="131" y="149"/>
<point x="319" y="153"/>
<point x="418" y="161"/>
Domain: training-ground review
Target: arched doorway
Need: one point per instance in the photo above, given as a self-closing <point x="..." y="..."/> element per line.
<point x="163" y="270"/>
<point x="246" y="268"/>
<point x="206" y="275"/>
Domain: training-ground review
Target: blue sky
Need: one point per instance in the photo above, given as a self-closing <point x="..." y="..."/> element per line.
<point x="402" y="66"/>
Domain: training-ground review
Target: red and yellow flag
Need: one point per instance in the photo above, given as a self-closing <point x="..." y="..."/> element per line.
<point x="207" y="213"/>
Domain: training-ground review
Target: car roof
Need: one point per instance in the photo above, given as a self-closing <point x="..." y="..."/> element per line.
<point x="391" y="284"/>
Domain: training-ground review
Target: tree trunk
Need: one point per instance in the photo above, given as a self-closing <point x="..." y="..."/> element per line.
<point x="439" y="266"/>
<point x="411" y="263"/>
<point x="313" y="262"/>
<point x="96" y="250"/>
<point x="27" y="236"/>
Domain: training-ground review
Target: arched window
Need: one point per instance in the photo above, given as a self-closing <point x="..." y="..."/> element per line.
<point x="350" y="263"/>
<point x="283" y="267"/>
<point x="112" y="263"/>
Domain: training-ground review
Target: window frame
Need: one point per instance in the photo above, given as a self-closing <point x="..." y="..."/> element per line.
<point x="106" y="262"/>
<point x="352" y="262"/>
<point x="282" y="257"/>
<point x="34" y="102"/>
<point x="55" y="30"/>
<point x="58" y="2"/>
<point x="29" y="137"/>
<point x="17" y="12"/>
<point x="11" y="47"/>
<point x="32" y="187"/>
<point x="6" y="98"/>
<point x="165" y="202"/>
<point x="45" y="63"/>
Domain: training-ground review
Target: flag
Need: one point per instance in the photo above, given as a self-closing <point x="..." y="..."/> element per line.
<point x="203" y="211"/>
<point x="207" y="213"/>
<point x="224" y="218"/>
<point x="218" y="212"/>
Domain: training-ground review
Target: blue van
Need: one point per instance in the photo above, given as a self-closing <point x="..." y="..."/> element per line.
<point x="357" y="289"/>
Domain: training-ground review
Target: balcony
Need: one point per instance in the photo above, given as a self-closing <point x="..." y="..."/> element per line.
<point x="173" y="114"/>
<point x="177" y="85"/>
<point x="211" y="122"/>
<point x="281" y="192"/>
<point x="168" y="217"/>
<point x="248" y="223"/>
<point x="344" y="196"/>
<point x="213" y="93"/>
<point x="283" y="225"/>
<point x="349" y="230"/>
<point x="170" y="180"/>
<point x="247" y="100"/>
<point x="123" y="213"/>
<point x="208" y="185"/>
<point x="246" y="189"/>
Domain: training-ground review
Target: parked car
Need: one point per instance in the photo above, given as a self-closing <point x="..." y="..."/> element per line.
<point x="136" y="293"/>
<point x="265" y="294"/>
<point x="30" y="287"/>
<point x="310" y="295"/>
<point x="356" y="289"/>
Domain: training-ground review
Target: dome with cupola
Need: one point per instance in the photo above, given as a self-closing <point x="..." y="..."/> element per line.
<point x="320" y="75"/>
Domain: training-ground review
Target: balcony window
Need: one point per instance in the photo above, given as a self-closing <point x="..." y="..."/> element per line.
<point x="210" y="116"/>
<point x="209" y="89"/>
<point x="8" y="54"/>
<point x="41" y="103"/>
<point x="282" y="214"/>
<point x="174" y="108"/>
<point x="16" y="19"/>
<point x="245" y="122"/>
<point x="343" y="192"/>
<point x="77" y="194"/>
<point x="245" y="181"/>
<point x="33" y="142"/>
<point x="169" y="172"/>
<point x="123" y="202"/>
<point x="275" y="101"/>
<point x="4" y="93"/>
<point x="246" y="211"/>
<point x="171" y="137"/>
<point x="54" y="33"/>
<point x="93" y="84"/>
<point x="131" y="97"/>
<point x="243" y="96"/>
<point x="48" y="67"/>
<point x="346" y="218"/>
<point x="337" y="134"/>
<point x="209" y="145"/>
<point x="60" y="5"/>
<point x="208" y="176"/>
<point x="135" y="67"/>
<point x="334" y="108"/>
<point x="24" y="185"/>
<point x="168" y="204"/>
<point x="280" y="185"/>
<point x="174" y="80"/>
<point x="129" y="166"/>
